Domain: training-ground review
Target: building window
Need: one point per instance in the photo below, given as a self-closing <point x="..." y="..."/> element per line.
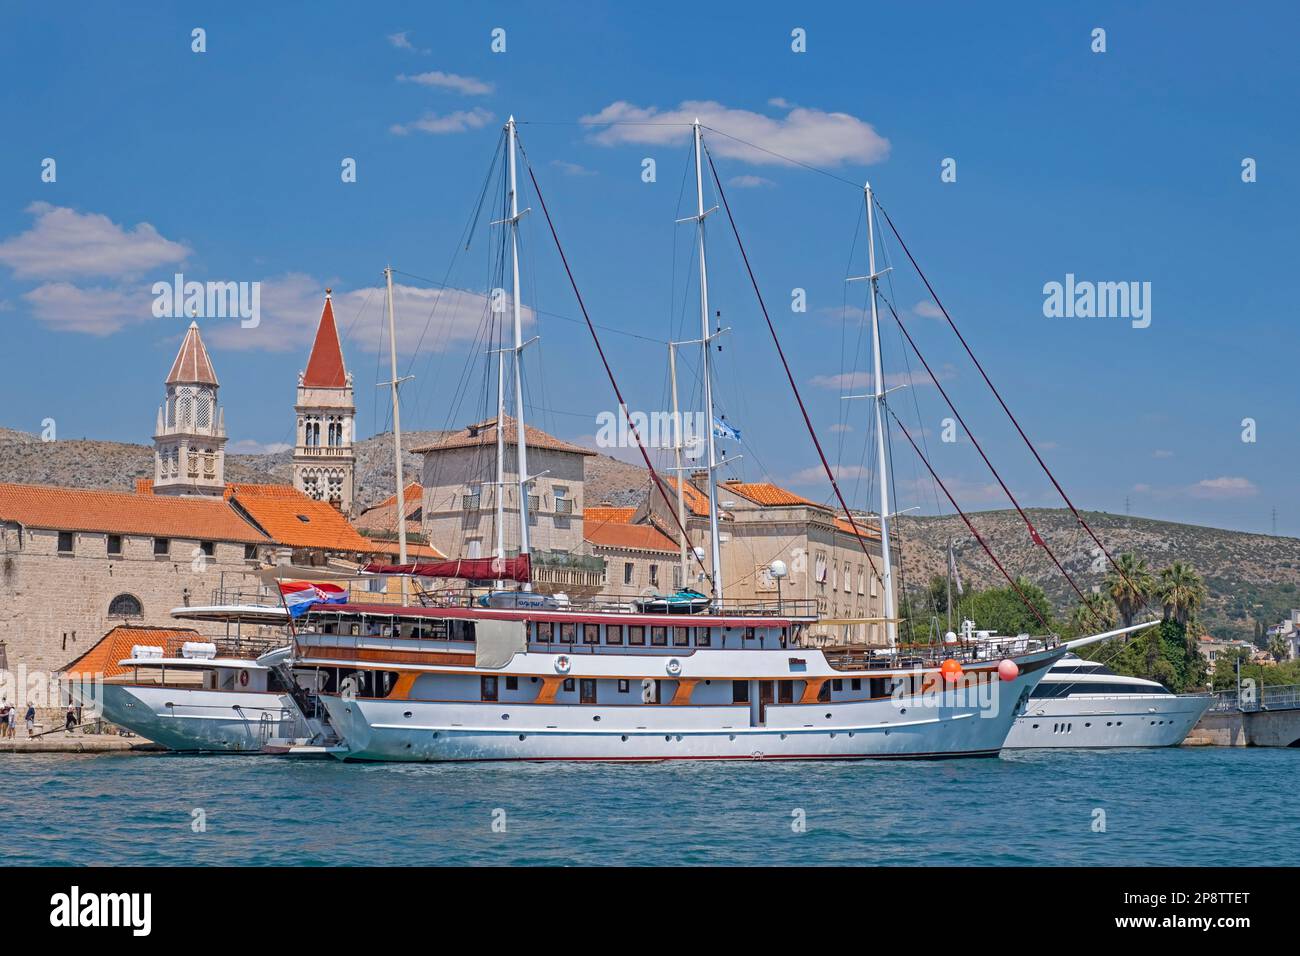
<point x="563" y="503"/>
<point x="250" y="552"/>
<point x="819" y="568"/>
<point x="636" y="634"/>
<point x="470" y="502"/>
<point x="613" y="633"/>
<point x="162" y="547"/>
<point x="545" y="631"/>
<point x="488" y="686"/>
<point x="65" y="542"/>
<point x="654" y="575"/>
<point x="591" y="633"/>
<point x="115" y="544"/>
<point x="208" y="548"/>
<point x="659" y="636"/>
<point x="677" y="576"/>
<point x="627" y="572"/>
<point x="874" y="582"/>
<point x="681" y="637"/>
<point x="125" y="605"/>
<point x="861" y="577"/>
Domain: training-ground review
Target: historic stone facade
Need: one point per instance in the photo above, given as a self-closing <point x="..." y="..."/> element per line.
<point x="190" y="437"/>
<point x="323" y="459"/>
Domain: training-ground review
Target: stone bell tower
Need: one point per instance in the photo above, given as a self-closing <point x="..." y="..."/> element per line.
<point x="189" y="440"/>
<point x="323" y="460"/>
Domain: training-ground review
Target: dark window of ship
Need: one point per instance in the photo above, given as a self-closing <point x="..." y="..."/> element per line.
<point x="740" y="692"/>
<point x="512" y="683"/>
<point x="636" y="634"/>
<point x="566" y="633"/>
<point x="681" y="637"/>
<point x="489" y="687"/>
<point x="544" y="632"/>
<point x="703" y="637"/>
<point x="613" y="633"/>
<point x="591" y="633"/>
<point x="659" y="636"/>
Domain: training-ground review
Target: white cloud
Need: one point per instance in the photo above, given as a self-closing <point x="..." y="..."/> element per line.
<point x="862" y="380"/>
<point x="804" y="135"/>
<point x="749" y="182"/>
<point x="927" y="309"/>
<point x="1225" y="487"/>
<point x="402" y="41"/>
<point x="1162" y="453"/>
<point x="63" y="243"/>
<point x="92" y="311"/>
<point x="291" y="308"/>
<point x="457" y="122"/>
<point x="816" y="473"/>
<point x="572" y="169"/>
<point x="468" y="85"/>
<point x="841" y="428"/>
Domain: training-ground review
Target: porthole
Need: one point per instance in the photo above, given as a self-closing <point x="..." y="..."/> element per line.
<point x="505" y="716"/>
<point x="597" y="717"/>
<point x="523" y="737"/>
<point x="625" y="738"/>
<point x="406" y="714"/>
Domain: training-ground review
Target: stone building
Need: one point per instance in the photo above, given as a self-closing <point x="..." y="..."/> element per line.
<point x="190" y="437"/>
<point x="324" y="463"/>
<point x="459" y="502"/>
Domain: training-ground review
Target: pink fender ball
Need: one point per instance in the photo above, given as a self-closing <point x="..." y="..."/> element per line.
<point x="1008" y="670"/>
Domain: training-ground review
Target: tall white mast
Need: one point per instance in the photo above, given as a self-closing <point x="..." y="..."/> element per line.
<point x="521" y="443"/>
<point x="882" y="463"/>
<point x="499" y="486"/>
<point x="677" y="454"/>
<point x="397" y="429"/>
<point x="715" y="570"/>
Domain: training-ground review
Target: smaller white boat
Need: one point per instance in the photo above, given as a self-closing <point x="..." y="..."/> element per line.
<point x="1082" y="703"/>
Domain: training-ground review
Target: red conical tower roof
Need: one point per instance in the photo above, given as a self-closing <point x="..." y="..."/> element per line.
<point x="192" y="365"/>
<point x="325" y="366"/>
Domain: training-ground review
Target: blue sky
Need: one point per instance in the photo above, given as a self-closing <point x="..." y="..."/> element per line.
<point x="1117" y="166"/>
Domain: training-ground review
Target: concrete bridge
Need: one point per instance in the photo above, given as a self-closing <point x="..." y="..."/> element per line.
<point x="1251" y="717"/>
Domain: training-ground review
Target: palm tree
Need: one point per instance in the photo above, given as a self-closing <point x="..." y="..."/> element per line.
<point x="1181" y="591"/>
<point x="1090" y="614"/>
<point x="1129" y="585"/>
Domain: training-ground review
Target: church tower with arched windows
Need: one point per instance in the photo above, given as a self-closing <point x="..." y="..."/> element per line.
<point x="323" y="460"/>
<point x="190" y="438"/>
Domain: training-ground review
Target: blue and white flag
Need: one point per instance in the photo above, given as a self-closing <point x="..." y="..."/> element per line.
<point x="724" y="430"/>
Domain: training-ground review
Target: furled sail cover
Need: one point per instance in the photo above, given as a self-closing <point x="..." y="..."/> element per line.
<point x="471" y="569"/>
<point x="497" y="642"/>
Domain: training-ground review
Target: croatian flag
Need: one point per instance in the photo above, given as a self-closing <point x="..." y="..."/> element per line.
<point x="299" y="596"/>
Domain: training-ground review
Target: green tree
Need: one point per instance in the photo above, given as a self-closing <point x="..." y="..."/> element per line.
<point x="1002" y="610"/>
<point x="1129" y="585"/>
<point x="1094" y="614"/>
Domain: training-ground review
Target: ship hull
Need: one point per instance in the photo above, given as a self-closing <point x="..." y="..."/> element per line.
<point x="190" y="720"/>
<point x="951" y="724"/>
<point x="1103" y="722"/>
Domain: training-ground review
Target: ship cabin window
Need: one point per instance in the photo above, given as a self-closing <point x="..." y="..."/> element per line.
<point x="703" y="637"/>
<point x="624" y="685"/>
<point x="488" y="687"/>
<point x="545" y="632"/>
<point x="568" y="684"/>
<point x="824" y="694"/>
<point x="855" y="683"/>
<point x="658" y="636"/>
<point x="749" y="633"/>
<point x="587" y="691"/>
<point x="681" y="637"/>
<point x="879" y="687"/>
<point x="636" y="634"/>
<point x="613" y="633"/>
<point x="114" y="544"/>
<point x="65" y="542"/>
<point x="740" y="692"/>
<point x="837" y="684"/>
<point x="785" y="691"/>
<point x="512" y="683"/>
<point x="591" y="633"/>
<point x="566" y="633"/>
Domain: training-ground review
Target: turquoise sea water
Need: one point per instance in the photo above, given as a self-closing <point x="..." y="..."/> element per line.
<point x="1204" y="806"/>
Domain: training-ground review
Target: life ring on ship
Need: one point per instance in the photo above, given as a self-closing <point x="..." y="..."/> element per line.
<point x="562" y="664"/>
<point x="674" y="666"/>
<point x="243" y="678"/>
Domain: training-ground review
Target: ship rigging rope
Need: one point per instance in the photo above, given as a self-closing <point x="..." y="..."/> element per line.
<point x="987" y="550"/>
<point x="609" y="372"/>
<point x="998" y="395"/>
<point x="1033" y="533"/>
<point x="830" y="473"/>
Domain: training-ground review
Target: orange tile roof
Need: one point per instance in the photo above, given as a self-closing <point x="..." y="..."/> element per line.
<point x="192" y="365"/>
<point x="697" y="502"/>
<point x="639" y="537"/>
<point x="413" y="549"/>
<point x="297" y="520"/>
<point x="119" y="512"/>
<point x="607" y="514"/>
<point x="484" y="433"/>
<point x="325" y="365"/>
<point x="865" y="530"/>
<point x="116" y="646"/>
<point x="765" y="493"/>
<point x="412" y="492"/>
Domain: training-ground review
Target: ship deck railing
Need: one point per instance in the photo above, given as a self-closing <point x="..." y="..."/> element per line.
<point x="797" y="609"/>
